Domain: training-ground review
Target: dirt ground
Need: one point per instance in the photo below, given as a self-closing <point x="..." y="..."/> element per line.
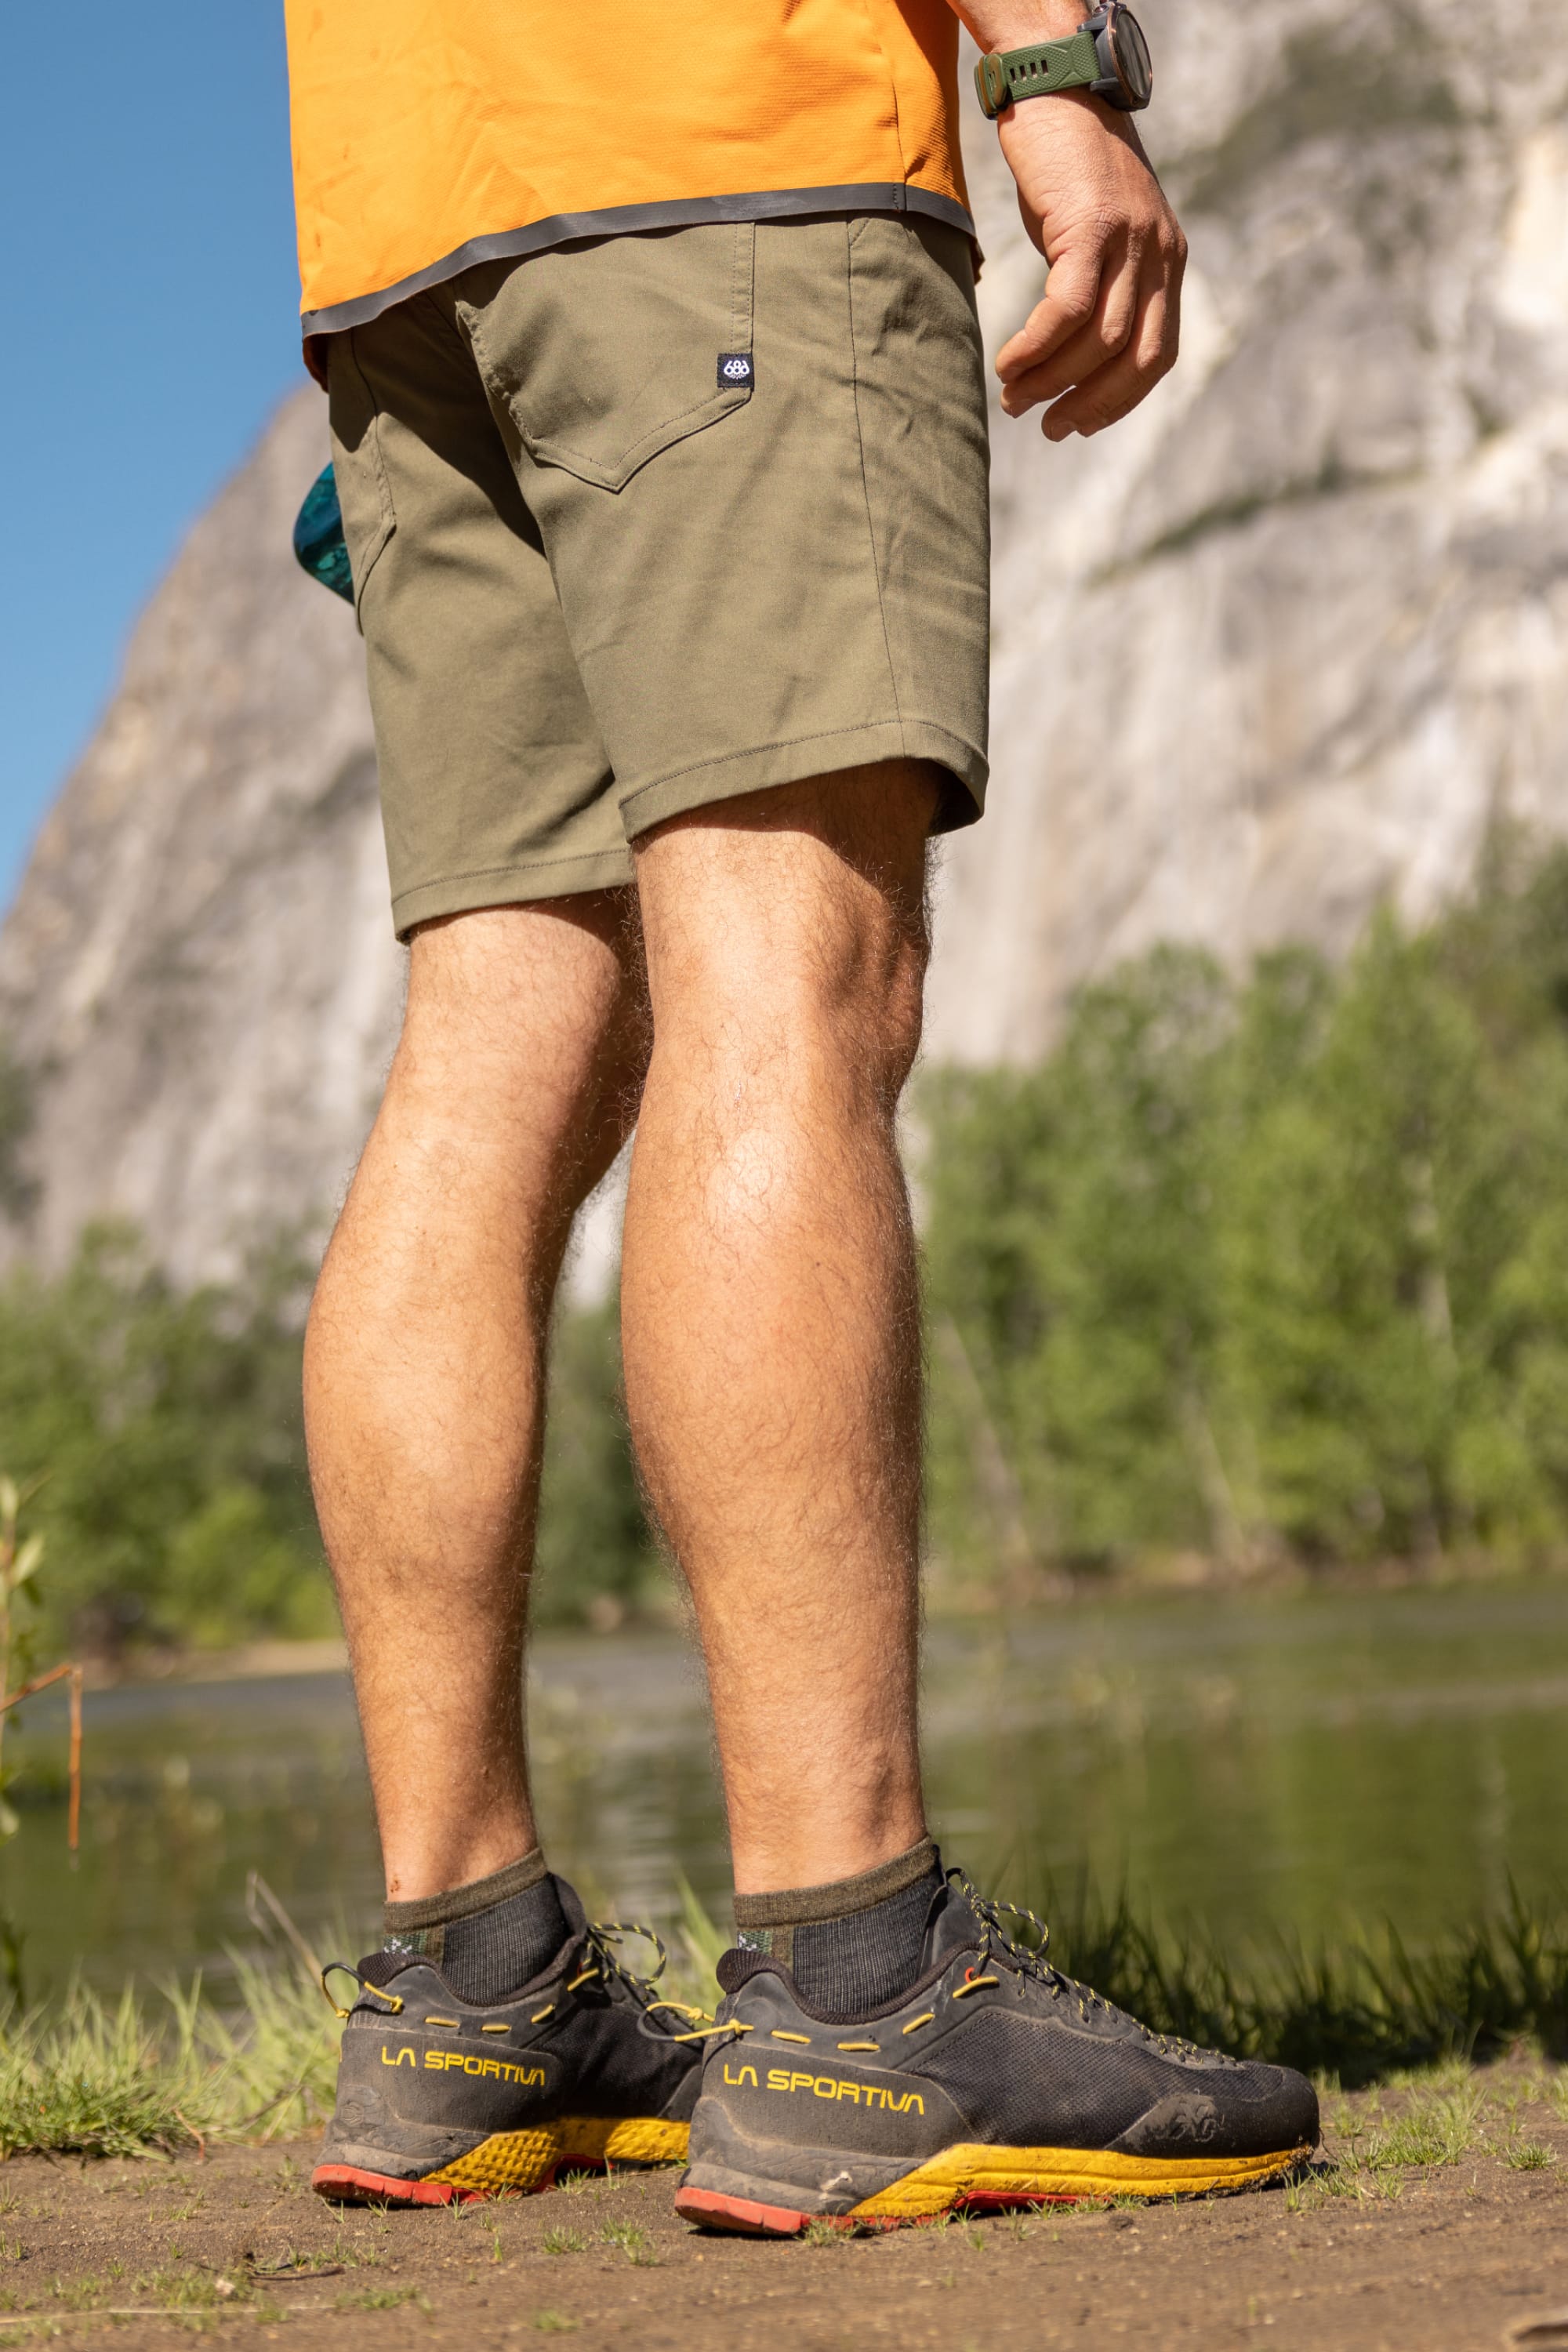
<point x="1437" y="2220"/>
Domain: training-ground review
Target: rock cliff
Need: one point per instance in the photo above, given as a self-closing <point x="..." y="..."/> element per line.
<point x="1283" y="644"/>
<point x="198" y="967"/>
<point x="1288" y="639"/>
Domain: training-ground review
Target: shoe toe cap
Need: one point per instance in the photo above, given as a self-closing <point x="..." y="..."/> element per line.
<point x="1281" y="2110"/>
<point x="1243" y="2111"/>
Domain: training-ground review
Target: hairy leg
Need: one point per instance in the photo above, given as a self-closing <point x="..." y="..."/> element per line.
<point x="512" y="1088"/>
<point x="769" y="1305"/>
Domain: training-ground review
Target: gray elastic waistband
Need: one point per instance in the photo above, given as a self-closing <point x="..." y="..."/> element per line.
<point x="630" y="220"/>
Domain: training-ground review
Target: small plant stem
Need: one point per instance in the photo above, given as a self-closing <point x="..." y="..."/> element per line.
<point x="7" y="1563"/>
<point x="38" y="1683"/>
<point x="42" y="1682"/>
<point x="73" y="1832"/>
<point x="257" y="1890"/>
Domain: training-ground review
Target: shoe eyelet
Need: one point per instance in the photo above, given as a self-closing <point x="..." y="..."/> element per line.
<point x="972" y="1984"/>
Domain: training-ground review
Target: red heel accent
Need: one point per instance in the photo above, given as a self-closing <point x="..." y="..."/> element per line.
<point x="738" y="2214"/>
<point x="344" y="2185"/>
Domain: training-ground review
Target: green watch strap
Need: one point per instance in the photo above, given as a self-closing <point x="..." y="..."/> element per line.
<point x="1003" y="75"/>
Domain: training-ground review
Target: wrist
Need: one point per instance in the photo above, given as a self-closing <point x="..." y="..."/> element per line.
<point x="1037" y="124"/>
<point x="1017" y="24"/>
<point x="1107" y="56"/>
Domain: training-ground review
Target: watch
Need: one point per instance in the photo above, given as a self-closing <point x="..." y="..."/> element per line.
<point x="1107" y="56"/>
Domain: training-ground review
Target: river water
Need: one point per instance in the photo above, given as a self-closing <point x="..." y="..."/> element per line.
<point x="1250" y="1764"/>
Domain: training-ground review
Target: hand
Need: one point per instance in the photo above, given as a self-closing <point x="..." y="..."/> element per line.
<point x="1109" y="325"/>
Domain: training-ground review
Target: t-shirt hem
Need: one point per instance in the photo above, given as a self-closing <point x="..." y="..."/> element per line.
<point x="629" y="220"/>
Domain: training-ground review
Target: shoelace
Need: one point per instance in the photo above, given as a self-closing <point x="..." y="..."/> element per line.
<point x="602" y="1934"/>
<point x="1030" y="1959"/>
<point x="393" y="2001"/>
<point x="602" y="1964"/>
<point x="1027" y="1960"/>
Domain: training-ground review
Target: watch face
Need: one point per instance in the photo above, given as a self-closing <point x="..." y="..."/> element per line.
<point x="1130" y="51"/>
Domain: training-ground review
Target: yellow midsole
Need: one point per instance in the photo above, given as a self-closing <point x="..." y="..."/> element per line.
<point x="523" y="2160"/>
<point x="975" y="2171"/>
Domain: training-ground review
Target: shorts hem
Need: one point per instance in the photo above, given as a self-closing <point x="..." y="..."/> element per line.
<point x="791" y="762"/>
<point x="510" y="886"/>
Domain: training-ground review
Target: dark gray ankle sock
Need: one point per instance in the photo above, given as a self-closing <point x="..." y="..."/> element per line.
<point x="491" y="1936"/>
<point x="855" y="1944"/>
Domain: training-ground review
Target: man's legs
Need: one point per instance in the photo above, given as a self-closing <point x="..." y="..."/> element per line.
<point x="771" y="1323"/>
<point x="516" y="1076"/>
<point x="772" y="1371"/>
<point x="771" y="1317"/>
<point x="769" y="1306"/>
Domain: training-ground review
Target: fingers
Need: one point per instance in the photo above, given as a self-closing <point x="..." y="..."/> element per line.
<point x="1037" y="367"/>
<point x="1103" y="363"/>
<point x="1102" y="395"/>
<point x="1069" y="303"/>
<point x="1105" y="332"/>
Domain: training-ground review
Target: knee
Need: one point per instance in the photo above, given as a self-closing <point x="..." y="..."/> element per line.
<point x="892" y="1012"/>
<point x="833" y="1015"/>
<point x="861" y="989"/>
<point x="786" y="935"/>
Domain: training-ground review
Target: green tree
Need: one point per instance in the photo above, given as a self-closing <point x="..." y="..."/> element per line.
<point x="1070" y="1249"/>
<point x="169" y="1426"/>
<point x="1280" y="1265"/>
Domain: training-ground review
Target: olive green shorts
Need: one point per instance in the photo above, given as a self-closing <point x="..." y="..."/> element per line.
<point x="643" y="523"/>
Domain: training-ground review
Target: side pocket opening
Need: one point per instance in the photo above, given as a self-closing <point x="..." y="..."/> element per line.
<point x="364" y="494"/>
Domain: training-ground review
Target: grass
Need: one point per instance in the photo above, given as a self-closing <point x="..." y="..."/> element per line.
<point x="1431" y="2121"/>
<point x="572" y="2184"/>
<point x="192" y="2295"/>
<point x="632" y="2239"/>
<point x="1435" y="2131"/>
<point x="164" y="2291"/>
<point x="92" y="2078"/>
<point x="307" y="2262"/>
<point x="1361" y="2009"/>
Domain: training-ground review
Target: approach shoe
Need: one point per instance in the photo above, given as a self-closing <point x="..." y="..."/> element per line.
<point x="441" y="2099"/>
<point x="994" y="2080"/>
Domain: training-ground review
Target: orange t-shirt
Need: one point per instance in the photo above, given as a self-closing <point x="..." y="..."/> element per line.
<point x="432" y="134"/>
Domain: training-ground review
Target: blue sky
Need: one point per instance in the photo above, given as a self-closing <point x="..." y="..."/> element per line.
<point x="152" y="329"/>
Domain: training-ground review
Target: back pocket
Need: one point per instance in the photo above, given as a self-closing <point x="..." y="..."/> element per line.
<point x="606" y="353"/>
